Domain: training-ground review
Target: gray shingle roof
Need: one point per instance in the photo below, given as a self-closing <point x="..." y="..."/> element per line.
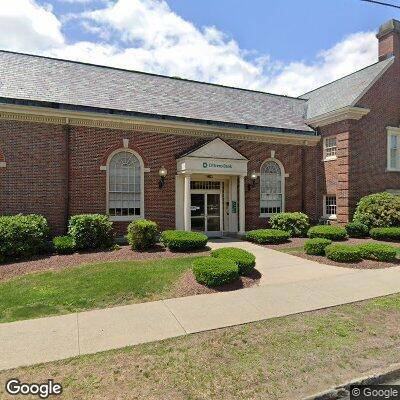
<point x="44" y="79"/>
<point x="343" y="92"/>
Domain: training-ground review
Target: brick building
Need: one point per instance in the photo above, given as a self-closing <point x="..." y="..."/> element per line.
<point x="80" y="138"/>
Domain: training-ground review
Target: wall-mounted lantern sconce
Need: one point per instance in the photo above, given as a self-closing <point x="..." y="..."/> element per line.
<point x="253" y="177"/>
<point x="163" y="173"/>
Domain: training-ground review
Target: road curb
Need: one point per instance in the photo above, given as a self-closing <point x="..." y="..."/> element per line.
<point x="376" y="377"/>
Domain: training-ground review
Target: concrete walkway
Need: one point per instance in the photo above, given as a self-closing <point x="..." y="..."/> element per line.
<point x="289" y="285"/>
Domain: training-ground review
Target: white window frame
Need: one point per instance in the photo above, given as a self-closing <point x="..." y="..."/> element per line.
<point x="393" y="132"/>
<point x="332" y="156"/>
<point x="325" y="215"/>
<point x="125" y="217"/>
<point x="283" y="175"/>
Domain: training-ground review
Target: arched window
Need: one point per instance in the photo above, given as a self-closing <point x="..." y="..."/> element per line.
<point x="125" y="185"/>
<point x="272" y="184"/>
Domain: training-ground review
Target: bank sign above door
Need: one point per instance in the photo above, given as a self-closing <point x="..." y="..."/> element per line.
<point x="194" y="165"/>
<point x="207" y="164"/>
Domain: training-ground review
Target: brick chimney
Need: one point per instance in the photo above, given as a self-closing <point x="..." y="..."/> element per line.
<point x="389" y="39"/>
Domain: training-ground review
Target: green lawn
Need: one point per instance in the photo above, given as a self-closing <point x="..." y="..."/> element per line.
<point x="90" y="286"/>
<point x="298" y="249"/>
<point x="278" y="359"/>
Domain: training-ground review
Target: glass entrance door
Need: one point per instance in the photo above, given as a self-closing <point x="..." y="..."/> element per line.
<point x="206" y="212"/>
<point x="213" y="216"/>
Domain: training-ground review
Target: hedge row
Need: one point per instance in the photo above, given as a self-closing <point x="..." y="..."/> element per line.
<point x="267" y="236"/>
<point x="224" y="266"/>
<point x="350" y="253"/>
<point x="25" y="235"/>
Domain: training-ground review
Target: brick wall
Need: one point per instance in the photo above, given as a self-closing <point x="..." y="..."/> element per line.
<point x="90" y="147"/>
<point x="360" y="168"/>
<point x="368" y="160"/>
<point x="34" y="180"/>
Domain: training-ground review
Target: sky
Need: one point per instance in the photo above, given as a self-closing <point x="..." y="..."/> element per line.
<point x="281" y="46"/>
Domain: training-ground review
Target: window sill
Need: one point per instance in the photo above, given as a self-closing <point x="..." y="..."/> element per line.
<point x="330" y="217"/>
<point x="331" y="158"/>
<point x="268" y="215"/>
<point x="123" y="218"/>
<point x="392" y="170"/>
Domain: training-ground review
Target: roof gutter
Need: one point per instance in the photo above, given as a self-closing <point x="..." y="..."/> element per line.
<point x="113" y="112"/>
<point x="25" y="113"/>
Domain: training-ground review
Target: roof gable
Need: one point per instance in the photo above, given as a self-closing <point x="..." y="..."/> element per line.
<point x="344" y="92"/>
<point x="216" y="148"/>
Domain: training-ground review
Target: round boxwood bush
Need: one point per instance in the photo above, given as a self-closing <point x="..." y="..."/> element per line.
<point x="391" y="234"/>
<point x="23" y="235"/>
<point x="63" y="244"/>
<point x="91" y="231"/>
<point x="343" y="253"/>
<point x="327" y="232"/>
<point x="183" y="241"/>
<point x="296" y="223"/>
<point x="357" y="230"/>
<point x="378" y="251"/>
<point x="212" y="271"/>
<point x="264" y="236"/>
<point x="378" y="210"/>
<point x="316" y="246"/>
<point x="142" y="234"/>
<point x="243" y="259"/>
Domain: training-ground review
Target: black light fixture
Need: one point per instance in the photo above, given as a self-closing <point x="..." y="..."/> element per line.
<point x="163" y="173"/>
<point x="253" y="177"/>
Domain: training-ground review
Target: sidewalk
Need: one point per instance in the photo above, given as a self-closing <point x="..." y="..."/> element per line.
<point x="290" y="285"/>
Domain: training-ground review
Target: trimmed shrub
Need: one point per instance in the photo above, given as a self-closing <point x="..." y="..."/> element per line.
<point x="22" y="235"/>
<point x="91" y="231"/>
<point x="142" y="234"/>
<point x="264" y="236"/>
<point x="357" y="230"/>
<point x="378" y="210"/>
<point x="296" y="223"/>
<point x="63" y="244"/>
<point x="183" y="241"/>
<point x="378" y="251"/>
<point x="243" y="259"/>
<point x="2" y="259"/>
<point x="316" y="246"/>
<point x="327" y="232"/>
<point x="391" y="234"/>
<point x="343" y="253"/>
<point x="212" y="271"/>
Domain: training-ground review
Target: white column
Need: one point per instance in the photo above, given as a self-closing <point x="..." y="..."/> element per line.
<point x="186" y="204"/>
<point x="242" y="208"/>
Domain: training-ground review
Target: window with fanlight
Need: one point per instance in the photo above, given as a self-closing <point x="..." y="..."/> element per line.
<point x="125" y="185"/>
<point x="271" y="188"/>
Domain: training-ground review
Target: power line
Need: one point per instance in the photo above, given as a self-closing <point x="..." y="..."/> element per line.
<point x="382" y="3"/>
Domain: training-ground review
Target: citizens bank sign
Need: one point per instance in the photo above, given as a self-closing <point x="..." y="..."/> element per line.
<point x="217" y="165"/>
<point x="194" y="165"/>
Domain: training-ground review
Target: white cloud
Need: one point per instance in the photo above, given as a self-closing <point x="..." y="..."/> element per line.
<point x="26" y="26"/>
<point x="354" y="52"/>
<point x="147" y="35"/>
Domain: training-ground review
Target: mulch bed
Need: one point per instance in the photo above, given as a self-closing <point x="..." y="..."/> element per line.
<point x="57" y="262"/>
<point x="364" y="264"/>
<point x="298" y="242"/>
<point x="188" y="286"/>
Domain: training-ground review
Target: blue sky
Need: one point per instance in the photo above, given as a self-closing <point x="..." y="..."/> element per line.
<point x="286" y="46"/>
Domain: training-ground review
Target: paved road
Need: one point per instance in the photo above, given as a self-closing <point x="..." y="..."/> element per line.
<point x="395" y="382"/>
<point x="290" y="285"/>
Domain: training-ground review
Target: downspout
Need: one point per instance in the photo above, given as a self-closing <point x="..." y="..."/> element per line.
<point x="316" y="161"/>
<point x="67" y="132"/>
